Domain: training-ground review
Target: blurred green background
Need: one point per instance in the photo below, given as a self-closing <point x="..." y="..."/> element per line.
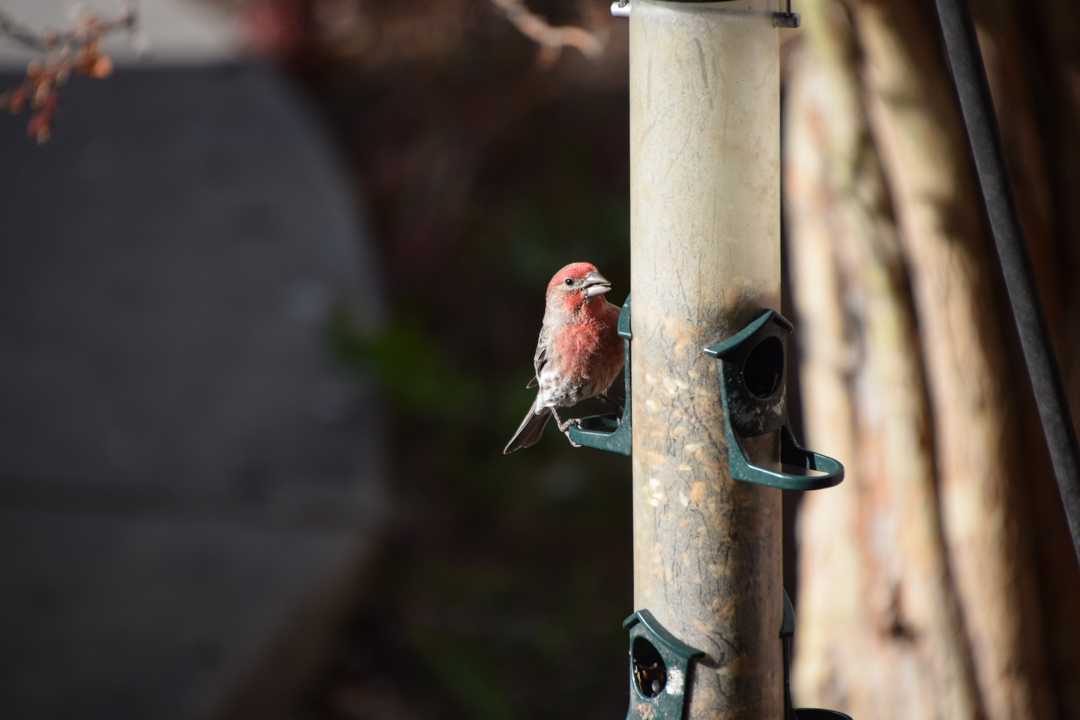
<point x="486" y="164"/>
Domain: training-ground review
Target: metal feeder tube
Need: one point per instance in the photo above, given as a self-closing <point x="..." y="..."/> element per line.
<point x="705" y="262"/>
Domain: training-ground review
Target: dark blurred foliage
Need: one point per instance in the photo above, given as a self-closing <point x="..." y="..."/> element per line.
<point x="485" y="165"/>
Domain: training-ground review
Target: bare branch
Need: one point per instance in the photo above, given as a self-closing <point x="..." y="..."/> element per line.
<point x="76" y="51"/>
<point x="550" y="38"/>
<point x="11" y="29"/>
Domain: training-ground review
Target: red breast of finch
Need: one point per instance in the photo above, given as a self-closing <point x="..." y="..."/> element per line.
<point x="579" y="353"/>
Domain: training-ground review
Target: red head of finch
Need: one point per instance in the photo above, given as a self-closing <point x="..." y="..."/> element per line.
<point x="579" y="353"/>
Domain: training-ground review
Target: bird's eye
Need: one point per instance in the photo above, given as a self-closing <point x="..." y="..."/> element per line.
<point x="569" y="281"/>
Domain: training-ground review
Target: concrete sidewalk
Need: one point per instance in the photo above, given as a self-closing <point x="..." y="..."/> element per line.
<point x="188" y="485"/>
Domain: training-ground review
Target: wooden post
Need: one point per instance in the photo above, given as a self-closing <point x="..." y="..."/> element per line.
<point x="705" y="260"/>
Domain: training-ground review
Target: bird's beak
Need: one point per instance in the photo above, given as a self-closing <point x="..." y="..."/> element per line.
<point x="595" y="284"/>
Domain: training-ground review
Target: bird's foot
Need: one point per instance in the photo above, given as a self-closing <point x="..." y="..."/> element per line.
<point x="565" y="425"/>
<point x="575" y="423"/>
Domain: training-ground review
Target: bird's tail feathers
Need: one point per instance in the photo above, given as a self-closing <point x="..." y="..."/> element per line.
<point x="532" y="427"/>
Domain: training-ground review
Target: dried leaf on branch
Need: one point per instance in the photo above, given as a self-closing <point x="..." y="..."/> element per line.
<point x="76" y="51"/>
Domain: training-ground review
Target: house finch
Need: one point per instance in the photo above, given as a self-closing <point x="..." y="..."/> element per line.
<point x="579" y="354"/>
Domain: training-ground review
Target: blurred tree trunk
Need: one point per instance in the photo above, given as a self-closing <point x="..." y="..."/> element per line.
<point x="938" y="581"/>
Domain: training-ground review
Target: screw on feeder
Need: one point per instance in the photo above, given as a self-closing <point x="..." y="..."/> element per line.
<point x="785" y="19"/>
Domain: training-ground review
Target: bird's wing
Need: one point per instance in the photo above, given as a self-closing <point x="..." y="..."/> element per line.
<point x="540" y="358"/>
<point x="538" y="363"/>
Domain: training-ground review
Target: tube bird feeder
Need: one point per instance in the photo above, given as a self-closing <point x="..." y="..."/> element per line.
<point x="705" y="261"/>
<point x="705" y="417"/>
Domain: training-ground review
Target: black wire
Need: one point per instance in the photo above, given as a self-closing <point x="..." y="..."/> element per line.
<point x="985" y="138"/>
